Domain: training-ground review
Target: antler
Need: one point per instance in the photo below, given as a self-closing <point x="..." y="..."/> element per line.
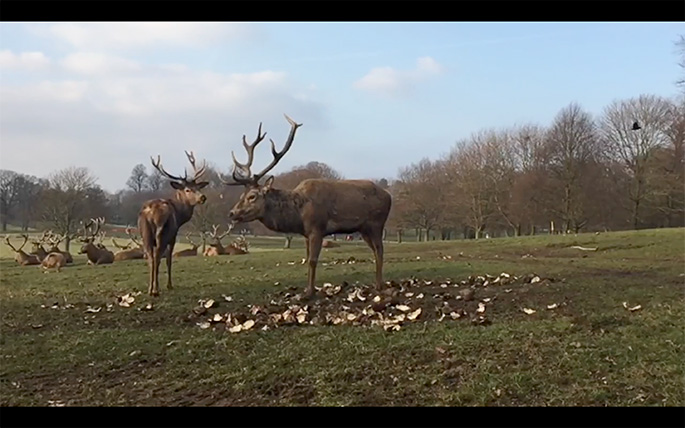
<point x="213" y="235"/>
<point x="125" y="247"/>
<point x="248" y="178"/>
<point x="43" y="239"/>
<point x="132" y="237"/>
<point x="197" y="173"/>
<point x="190" y="240"/>
<point x="7" y="241"/>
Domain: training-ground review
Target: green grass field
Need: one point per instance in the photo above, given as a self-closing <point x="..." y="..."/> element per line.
<point x="590" y="349"/>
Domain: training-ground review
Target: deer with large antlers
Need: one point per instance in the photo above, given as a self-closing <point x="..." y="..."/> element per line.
<point x="37" y="248"/>
<point x="54" y="240"/>
<point x="217" y="248"/>
<point x="315" y="208"/>
<point x="188" y="252"/>
<point x="20" y="256"/>
<point x="127" y="252"/>
<point x="96" y="253"/>
<point x="160" y="219"/>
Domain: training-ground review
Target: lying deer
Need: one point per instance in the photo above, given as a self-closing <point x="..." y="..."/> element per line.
<point x="38" y="248"/>
<point x="54" y="241"/>
<point x="96" y="255"/>
<point x="54" y="260"/>
<point x="127" y="252"/>
<point x="160" y="219"/>
<point x="134" y="239"/>
<point x="188" y="252"/>
<point x="217" y="249"/>
<point x="315" y="208"/>
<point x="20" y="256"/>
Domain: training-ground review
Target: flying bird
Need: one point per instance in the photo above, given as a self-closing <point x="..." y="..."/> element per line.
<point x="636" y="126"/>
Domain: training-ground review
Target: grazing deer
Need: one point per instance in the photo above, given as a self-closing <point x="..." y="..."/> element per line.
<point x="54" y="241"/>
<point x="188" y="251"/>
<point x="315" y="208"/>
<point x="160" y="219"/>
<point x="21" y="257"/>
<point x="127" y="253"/>
<point x="37" y="248"/>
<point x="97" y="254"/>
<point x="54" y="260"/>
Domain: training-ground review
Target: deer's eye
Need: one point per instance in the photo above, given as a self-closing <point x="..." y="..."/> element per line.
<point x="252" y="197"/>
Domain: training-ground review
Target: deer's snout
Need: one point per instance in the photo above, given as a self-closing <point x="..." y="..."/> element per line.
<point x="203" y="199"/>
<point x="231" y="214"/>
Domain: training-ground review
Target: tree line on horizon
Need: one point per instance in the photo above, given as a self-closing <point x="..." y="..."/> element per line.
<point x="621" y="169"/>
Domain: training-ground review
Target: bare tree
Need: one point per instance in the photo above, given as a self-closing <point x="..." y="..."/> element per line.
<point x="419" y="193"/>
<point x="72" y="195"/>
<point x="635" y="145"/>
<point x="138" y="179"/>
<point x="572" y="145"/>
<point x="8" y="195"/>
<point x="154" y="181"/>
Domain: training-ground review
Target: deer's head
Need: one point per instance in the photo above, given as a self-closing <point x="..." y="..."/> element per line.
<point x="188" y="190"/>
<point x="252" y="203"/>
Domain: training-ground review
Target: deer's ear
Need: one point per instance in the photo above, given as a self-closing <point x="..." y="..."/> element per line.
<point x="202" y="184"/>
<point x="268" y="183"/>
<point x="176" y="185"/>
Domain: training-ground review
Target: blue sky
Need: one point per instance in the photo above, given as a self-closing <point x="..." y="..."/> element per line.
<point x="373" y="97"/>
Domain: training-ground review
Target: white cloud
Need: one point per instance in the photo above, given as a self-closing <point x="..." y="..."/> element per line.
<point x="98" y="63"/>
<point x="110" y="122"/>
<point x="390" y="81"/>
<point x="128" y="35"/>
<point x="30" y="61"/>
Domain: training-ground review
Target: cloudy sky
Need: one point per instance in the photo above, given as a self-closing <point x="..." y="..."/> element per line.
<point x="373" y="97"/>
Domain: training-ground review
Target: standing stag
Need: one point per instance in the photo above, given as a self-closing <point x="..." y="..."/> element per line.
<point x="96" y="253"/>
<point x="315" y="208"/>
<point x="20" y="256"/>
<point x="160" y="219"/>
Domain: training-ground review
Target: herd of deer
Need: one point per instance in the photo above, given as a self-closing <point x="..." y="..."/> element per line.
<point x="98" y="254"/>
<point x="315" y="208"/>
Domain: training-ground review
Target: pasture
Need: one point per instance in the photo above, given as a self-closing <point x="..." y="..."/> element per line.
<point x="66" y="340"/>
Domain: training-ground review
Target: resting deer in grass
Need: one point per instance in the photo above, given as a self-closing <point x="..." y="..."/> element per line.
<point x="38" y="248"/>
<point x="20" y="256"/>
<point x="54" y="261"/>
<point x="127" y="252"/>
<point x="54" y="240"/>
<point x="96" y="254"/>
<point x="189" y="252"/>
<point x="217" y="248"/>
<point x="160" y="219"/>
<point x="315" y="208"/>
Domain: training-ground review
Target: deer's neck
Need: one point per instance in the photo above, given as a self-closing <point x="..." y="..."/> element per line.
<point x="283" y="211"/>
<point x="184" y="211"/>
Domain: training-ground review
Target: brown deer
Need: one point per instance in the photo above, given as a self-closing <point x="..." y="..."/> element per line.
<point x="54" y="240"/>
<point x="315" y="208"/>
<point x="216" y="248"/>
<point x="21" y="257"/>
<point x="127" y="252"/>
<point x="132" y="237"/>
<point x="96" y="254"/>
<point x="188" y="252"/>
<point x="54" y="260"/>
<point x="160" y="219"/>
<point x="37" y="248"/>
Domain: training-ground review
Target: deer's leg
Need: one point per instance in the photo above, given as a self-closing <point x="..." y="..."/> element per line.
<point x="314" y="242"/>
<point x="306" y="245"/>
<point x="168" y="263"/>
<point x="375" y="242"/>
<point x="156" y="259"/>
